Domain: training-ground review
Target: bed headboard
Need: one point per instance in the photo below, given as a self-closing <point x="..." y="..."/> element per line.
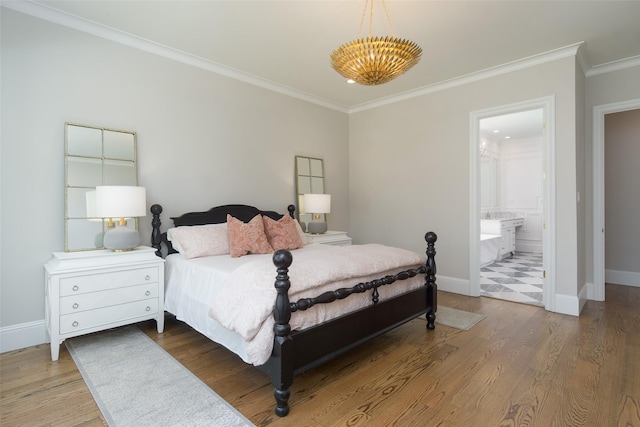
<point x="214" y="215"/>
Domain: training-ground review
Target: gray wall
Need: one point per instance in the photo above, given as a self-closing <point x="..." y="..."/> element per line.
<point x="203" y="140"/>
<point x="409" y="166"/>
<point x="603" y="89"/>
<point x="622" y="191"/>
<point x="394" y="171"/>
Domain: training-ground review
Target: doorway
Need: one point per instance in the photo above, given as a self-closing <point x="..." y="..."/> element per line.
<point x="511" y="203"/>
<point x="596" y="289"/>
<point x="511" y="187"/>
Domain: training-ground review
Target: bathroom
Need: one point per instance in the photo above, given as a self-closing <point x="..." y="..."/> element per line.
<point x="511" y="165"/>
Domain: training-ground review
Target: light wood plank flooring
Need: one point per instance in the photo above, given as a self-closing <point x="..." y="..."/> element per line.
<point x="521" y="366"/>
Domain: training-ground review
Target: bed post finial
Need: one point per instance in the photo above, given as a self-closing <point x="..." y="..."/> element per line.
<point x="282" y="345"/>
<point x="432" y="287"/>
<point x="156" y="236"/>
<point x="292" y="210"/>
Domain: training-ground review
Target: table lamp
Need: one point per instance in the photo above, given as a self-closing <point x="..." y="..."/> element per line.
<point x="120" y="201"/>
<point x="317" y="204"/>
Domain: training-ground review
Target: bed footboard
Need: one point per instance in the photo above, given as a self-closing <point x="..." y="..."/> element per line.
<point x="282" y="354"/>
<point x="295" y="352"/>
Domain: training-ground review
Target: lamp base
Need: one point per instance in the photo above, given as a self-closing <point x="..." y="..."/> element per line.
<point x="121" y="239"/>
<point x="317" y="227"/>
<point x="99" y="239"/>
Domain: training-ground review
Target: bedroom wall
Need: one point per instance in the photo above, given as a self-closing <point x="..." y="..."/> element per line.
<point x="411" y="171"/>
<point x="199" y="132"/>
<point x="612" y="87"/>
<point x="622" y="197"/>
<point x="203" y="140"/>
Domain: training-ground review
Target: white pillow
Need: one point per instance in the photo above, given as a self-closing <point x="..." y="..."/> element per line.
<point x="200" y="240"/>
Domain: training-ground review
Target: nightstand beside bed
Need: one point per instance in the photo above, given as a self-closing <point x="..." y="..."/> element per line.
<point x="336" y="238"/>
<point x="91" y="291"/>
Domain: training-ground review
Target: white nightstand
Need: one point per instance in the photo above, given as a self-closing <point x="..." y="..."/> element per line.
<point x="94" y="290"/>
<point x="337" y="238"/>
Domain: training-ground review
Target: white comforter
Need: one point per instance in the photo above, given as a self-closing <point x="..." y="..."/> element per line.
<point x="245" y="306"/>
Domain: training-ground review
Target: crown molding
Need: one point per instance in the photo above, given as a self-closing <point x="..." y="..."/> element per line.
<point x="520" y="64"/>
<point x="62" y="18"/>
<point x="582" y="59"/>
<point x="90" y="27"/>
<point x="622" y="64"/>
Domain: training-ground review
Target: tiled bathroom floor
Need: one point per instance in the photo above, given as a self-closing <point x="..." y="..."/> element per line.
<point x="517" y="278"/>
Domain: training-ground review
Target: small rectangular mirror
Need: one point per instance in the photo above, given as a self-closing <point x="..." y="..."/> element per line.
<point x="84" y="141"/>
<point x="119" y="145"/>
<point x="118" y="172"/>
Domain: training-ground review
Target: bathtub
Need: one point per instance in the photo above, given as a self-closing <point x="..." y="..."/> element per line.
<point x="489" y="248"/>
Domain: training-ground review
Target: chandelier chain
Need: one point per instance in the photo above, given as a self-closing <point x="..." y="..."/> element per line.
<point x="369" y="4"/>
<point x="384" y="6"/>
<point x="364" y="13"/>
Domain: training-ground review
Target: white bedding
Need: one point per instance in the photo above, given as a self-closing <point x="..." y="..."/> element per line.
<point x="204" y="293"/>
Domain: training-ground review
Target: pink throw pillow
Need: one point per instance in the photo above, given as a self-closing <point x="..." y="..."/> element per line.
<point x="247" y="238"/>
<point x="282" y="234"/>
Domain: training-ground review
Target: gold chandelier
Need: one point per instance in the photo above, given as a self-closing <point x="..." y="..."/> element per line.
<point x="373" y="61"/>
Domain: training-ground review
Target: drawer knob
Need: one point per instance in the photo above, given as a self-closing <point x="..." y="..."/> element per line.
<point x="147" y="277"/>
<point x="75" y="323"/>
<point x="148" y="308"/>
<point x="147" y="293"/>
<point x="75" y="305"/>
<point x="75" y="287"/>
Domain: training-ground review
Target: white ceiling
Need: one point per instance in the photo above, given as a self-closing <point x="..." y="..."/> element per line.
<point x="286" y="44"/>
<point x="511" y="127"/>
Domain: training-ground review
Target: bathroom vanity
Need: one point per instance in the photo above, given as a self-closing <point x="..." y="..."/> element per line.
<point x="503" y="224"/>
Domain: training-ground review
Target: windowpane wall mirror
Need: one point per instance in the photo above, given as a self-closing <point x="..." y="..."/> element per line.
<point x="93" y="156"/>
<point x="309" y="179"/>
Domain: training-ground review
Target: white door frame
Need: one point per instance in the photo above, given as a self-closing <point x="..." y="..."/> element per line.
<point x="547" y="104"/>
<point x="599" y="111"/>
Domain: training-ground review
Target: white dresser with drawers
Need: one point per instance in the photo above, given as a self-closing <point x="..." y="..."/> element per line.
<point x="95" y="290"/>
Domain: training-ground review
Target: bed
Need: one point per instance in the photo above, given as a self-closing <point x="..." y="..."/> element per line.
<point x="310" y="304"/>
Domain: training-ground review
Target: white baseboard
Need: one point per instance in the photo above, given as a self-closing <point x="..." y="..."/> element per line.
<point x="569" y="304"/>
<point x="454" y="285"/>
<point x="583" y="297"/>
<point x="23" y="335"/>
<point x="616" y="277"/>
<point x="564" y="304"/>
<point x="591" y="292"/>
<point x="34" y="333"/>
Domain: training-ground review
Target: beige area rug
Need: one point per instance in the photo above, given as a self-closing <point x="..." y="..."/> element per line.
<point x="137" y="383"/>
<point x="457" y="318"/>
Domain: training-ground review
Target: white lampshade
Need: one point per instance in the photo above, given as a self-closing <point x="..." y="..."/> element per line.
<point x="116" y="201"/>
<point x="317" y="203"/>
<point x="120" y="201"/>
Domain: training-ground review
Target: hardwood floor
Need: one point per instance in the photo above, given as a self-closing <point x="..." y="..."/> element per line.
<point x="521" y="366"/>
